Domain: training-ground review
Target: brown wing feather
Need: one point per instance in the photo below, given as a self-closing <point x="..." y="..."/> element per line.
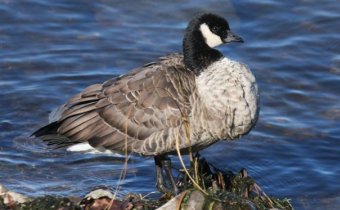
<point x="129" y="108"/>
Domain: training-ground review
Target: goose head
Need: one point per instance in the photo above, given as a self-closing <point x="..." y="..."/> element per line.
<point x="204" y="33"/>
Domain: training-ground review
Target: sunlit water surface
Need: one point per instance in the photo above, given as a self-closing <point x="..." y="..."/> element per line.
<point x="50" y="51"/>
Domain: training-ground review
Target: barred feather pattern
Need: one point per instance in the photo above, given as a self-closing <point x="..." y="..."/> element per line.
<point x="137" y="109"/>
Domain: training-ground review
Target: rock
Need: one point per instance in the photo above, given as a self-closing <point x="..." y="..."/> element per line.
<point x="99" y="193"/>
<point x="190" y="200"/>
<point x="11" y="198"/>
<point x="196" y="200"/>
<point x="3" y="190"/>
<point x="171" y="204"/>
<point x="101" y="199"/>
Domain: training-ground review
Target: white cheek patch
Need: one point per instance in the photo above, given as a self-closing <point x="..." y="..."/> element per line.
<point x="211" y="39"/>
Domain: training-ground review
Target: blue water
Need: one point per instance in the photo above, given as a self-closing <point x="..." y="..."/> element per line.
<point x="50" y="50"/>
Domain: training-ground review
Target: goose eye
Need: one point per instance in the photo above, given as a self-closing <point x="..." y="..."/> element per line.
<point x="214" y="29"/>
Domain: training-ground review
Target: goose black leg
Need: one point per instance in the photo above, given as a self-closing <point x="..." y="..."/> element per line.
<point x="159" y="175"/>
<point x="164" y="163"/>
<point x="167" y="168"/>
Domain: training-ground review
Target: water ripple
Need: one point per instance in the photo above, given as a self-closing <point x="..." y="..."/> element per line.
<point x="51" y="50"/>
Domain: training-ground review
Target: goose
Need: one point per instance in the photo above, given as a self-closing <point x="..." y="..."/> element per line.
<point x="198" y="97"/>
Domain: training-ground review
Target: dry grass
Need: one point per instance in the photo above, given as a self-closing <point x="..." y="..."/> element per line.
<point x="195" y="179"/>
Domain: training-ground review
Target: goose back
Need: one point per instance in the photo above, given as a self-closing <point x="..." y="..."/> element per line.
<point x="139" y="111"/>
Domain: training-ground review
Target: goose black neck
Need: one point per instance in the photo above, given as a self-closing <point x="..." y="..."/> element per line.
<point x="197" y="54"/>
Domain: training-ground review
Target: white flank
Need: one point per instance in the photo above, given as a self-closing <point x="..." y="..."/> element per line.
<point x="81" y="147"/>
<point x="211" y="39"/>
<point x="87" y="148"/>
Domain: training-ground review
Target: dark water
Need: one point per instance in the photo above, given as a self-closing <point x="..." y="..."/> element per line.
<point x="50" y="51"/>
